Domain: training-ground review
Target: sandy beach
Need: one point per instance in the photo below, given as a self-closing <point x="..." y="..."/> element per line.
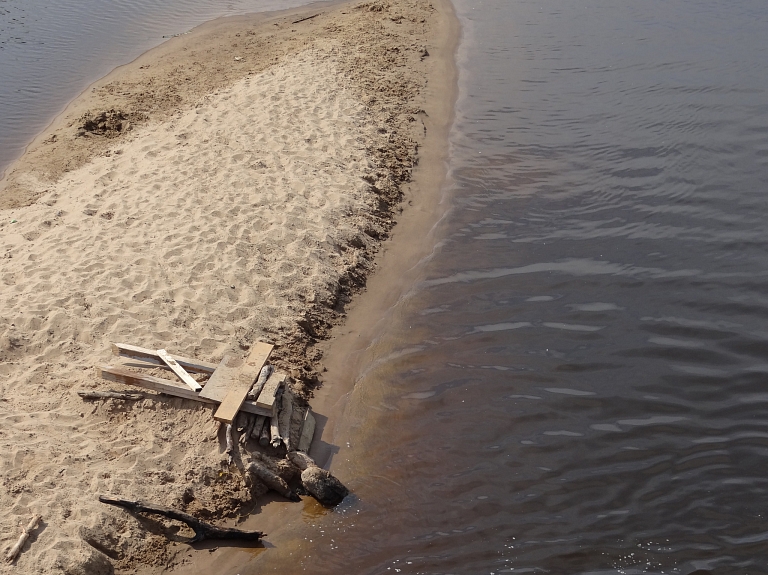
<point x="232" y="185"/>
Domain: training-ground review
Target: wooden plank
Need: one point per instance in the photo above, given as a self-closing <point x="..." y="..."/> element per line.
<point x="122" y="375"/>
<point x="178" y="370"/>
<point x="221" y="380"/>
<point x="268" y="393"/>
<point x="307" y="431"/>
<point x="242" y="384"/>
<point x="150" y="355"/>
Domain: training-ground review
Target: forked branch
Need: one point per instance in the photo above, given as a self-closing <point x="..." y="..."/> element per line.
<point x="202" y="530"/>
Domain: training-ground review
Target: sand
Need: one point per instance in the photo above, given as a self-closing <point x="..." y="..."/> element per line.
<point x="239" y="190"/>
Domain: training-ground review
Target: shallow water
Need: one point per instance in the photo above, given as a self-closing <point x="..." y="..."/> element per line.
<point x="580" y="383"/>
<point x="50" y="51"/>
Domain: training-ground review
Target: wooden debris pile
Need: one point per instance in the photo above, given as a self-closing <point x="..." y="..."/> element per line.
<point x="249" y="387"/>
<point x="258" y="412"/>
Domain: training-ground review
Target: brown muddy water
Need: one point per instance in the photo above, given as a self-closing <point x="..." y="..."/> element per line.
<point x="578" y="382"/>
<point x="575" y="380"/>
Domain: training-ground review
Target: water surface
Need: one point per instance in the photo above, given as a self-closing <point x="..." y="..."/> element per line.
<point x="580" y="383"/>
<point x="51" y="51"/>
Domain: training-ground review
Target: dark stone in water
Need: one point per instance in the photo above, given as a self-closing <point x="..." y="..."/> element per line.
<point x="323" y="486"/>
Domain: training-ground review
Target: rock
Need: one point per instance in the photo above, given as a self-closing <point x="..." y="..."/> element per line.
<point x="323" y="486"/>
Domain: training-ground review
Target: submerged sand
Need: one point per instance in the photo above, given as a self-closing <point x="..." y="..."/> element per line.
<point x="231" y="186"/>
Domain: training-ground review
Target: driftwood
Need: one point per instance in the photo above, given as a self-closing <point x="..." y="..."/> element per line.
<point x="266" y="433"/>
<point x="307" y="431"/>
<point x="275" y="438"/>
<point x="266" y="371"/>
<point x="248" y="428"/>
<point x="230" y="443"/>
<point x="284" y="419"/>
<point x="272" y="480"/>
<point x="13" y="553"/>
<point x="258" y="425"/>
<point x="305" y="19"/>
<point x="202" y="530"/>
<point x="110" y="395"/>
<point x="301" y="460"/>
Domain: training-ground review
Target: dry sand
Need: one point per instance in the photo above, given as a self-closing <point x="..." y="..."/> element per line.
<point x="239" y="192"/>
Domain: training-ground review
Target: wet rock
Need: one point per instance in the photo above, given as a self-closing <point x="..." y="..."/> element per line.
<point x="323" y="486"/>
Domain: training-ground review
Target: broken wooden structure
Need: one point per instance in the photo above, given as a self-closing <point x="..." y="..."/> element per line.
<point x="235" y="385"/>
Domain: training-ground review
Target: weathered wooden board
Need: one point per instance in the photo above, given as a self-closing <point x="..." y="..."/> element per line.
<point x="150" y="355"/>
<point x="122" y="375"/>
<point x="268" y="393"/>
<point x="219" y="383"/>
<point x="241" y="385"/>
<point x="307" y="431"/>
<point x="187" y="379"/>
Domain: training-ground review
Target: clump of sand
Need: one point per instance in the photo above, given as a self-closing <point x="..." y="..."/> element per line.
<point x="249" y="208"/>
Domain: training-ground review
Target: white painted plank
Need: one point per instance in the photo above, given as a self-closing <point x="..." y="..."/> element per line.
<point x="178" y="370"/>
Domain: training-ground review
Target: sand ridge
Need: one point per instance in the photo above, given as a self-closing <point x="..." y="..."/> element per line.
<point x="250" y="210"/>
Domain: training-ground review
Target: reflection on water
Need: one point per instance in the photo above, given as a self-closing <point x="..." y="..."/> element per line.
<point x="579" y="383"/>
<point x="50" y="51"/>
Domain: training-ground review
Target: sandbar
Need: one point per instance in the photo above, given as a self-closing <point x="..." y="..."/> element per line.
<point x="234" y="184"/>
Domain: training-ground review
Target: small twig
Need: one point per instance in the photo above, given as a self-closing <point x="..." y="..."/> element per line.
<point x="23" y="539"/>
<point x="110" y="395"/>
<point x="307" y="18"/>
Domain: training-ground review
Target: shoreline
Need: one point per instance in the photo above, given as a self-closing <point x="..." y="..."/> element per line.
<point x="339" y="145"/>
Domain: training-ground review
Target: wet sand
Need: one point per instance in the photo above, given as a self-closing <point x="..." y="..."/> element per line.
<point x="232" y="185"/>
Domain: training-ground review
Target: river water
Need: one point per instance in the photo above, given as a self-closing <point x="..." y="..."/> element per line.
<point x="50" y="51"/>
<point x="578" y="381"/>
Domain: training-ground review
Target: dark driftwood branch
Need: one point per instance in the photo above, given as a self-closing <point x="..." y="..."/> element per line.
<point x="202" y="530"/>
<point x="110" y="395"/>
<point x="305" y="19"/>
